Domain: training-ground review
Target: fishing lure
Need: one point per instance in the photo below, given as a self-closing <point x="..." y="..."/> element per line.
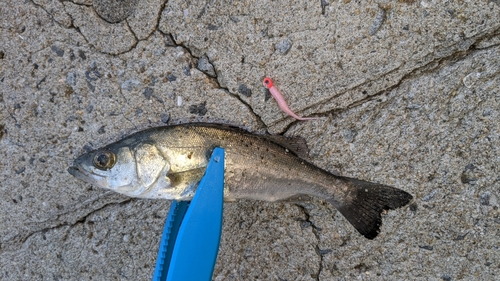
<point x="268" y="83"/>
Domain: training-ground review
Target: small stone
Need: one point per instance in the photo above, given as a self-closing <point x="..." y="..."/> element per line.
<point x="465" y="178"/>
<point x="305" y="224"/>
<point x="148" y="93"/>
<point x="199" y="109"/>
<point x="429" y="196"/>
<point x="244" y="90"/>
<point x="212" y="27"/>
<point x="377" y="23"/>
<point x="206" y="67"/>
<point x="446" y="277"/>
<point x="71" y="78"/>
<point x="82" y="55"/>
<point x="171" y="77"/>
<point x="324" y="252"/>
<point x="92" y="75"/>
<point x="283" y="47"/>
<point x="164" y="117"/>
<point x="267" y="95"/>
<point x="484" y="199"/>
<point x="169" y="41"/>
<point x="487" y="112"/>
<point x="19" y="171"/>
<point x="413" y="207"/>
<point x="350" y="135"/>
<point x="101" y="130"/>
<point x="129" y="85"/>
<point x="470" y="167"/>
<point x="187" y="70"/>
<point x="114" y="11"/>
<point x="91" y="87"/>
<point x="59" y="52"/>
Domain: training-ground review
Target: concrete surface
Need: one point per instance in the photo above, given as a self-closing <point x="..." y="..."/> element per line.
<point x="409" y="92"/>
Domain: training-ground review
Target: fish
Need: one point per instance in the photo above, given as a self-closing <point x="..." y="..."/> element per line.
<point x="168" y="163"/>
<point x="268" y="83"/>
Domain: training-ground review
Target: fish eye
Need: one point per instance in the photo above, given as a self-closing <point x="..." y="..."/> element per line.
<point x="104" y="160"/>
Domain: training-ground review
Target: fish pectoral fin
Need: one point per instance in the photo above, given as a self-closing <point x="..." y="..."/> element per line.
<point x="186" y="178"/>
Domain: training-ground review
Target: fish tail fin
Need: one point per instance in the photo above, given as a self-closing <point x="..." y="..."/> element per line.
<point x="364" y="202"/>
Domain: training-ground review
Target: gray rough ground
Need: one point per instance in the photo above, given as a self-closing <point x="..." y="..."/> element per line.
<point x="408" y="92"/>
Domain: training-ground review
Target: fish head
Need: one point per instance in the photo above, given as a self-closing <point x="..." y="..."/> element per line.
<point x="133" y="169"/>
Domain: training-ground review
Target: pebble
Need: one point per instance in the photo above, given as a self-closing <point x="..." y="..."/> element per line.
<point x="114" y="11"/>
<point x="206" y="67"/>
<point x="283" y="47"/>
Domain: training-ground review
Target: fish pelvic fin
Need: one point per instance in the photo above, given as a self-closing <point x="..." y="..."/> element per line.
<point x="365" y="202"/>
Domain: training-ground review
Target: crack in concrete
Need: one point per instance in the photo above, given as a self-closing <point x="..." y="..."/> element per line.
<point x="158" y="17"/>
<point x="78" y="4"/>
<point x="50" y="15"/>
<point x="77" y="29"/>
<point x="123" y="109"/>
<point x="427" y="68"/>
<point x="80" y="220"/>
<point x="323" y="6"/>
<point x="315" y="231"/>
<point x="60" y="24"/>
<point x="257" y="116"/>
<point x="215" y="81"/>
<point x="137" y="40"/>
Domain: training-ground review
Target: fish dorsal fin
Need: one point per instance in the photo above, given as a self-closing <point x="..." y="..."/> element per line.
<point x="297" y="145"/>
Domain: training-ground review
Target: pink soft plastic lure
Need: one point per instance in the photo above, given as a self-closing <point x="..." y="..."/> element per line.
<point x="268" y="83"/>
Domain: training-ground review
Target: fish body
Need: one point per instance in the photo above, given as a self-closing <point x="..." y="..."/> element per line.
<point x="168" y="162"/>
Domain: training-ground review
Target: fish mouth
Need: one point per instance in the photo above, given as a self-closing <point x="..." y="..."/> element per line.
<point x="86" y="176"/>
<point x="80" y="173"/>
<point x="74" y="171"/>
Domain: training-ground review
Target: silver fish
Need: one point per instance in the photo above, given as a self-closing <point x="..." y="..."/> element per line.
<point x="168" y="162"/>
